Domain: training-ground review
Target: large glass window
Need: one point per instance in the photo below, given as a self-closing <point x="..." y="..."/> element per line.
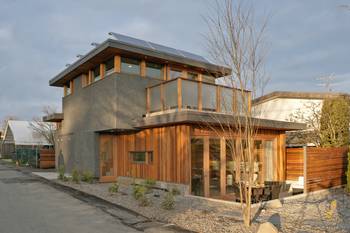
<point x="154" y="70"/>
<point x="175" y="73"/>
<point x="189" y="94"/>
<point x="197" y="175"/>
<point x="130" y="66"/>
<point x="214" y="157"/>
<point x="109" y="66"/>
<point x="231" y="167"/>
<point x="96" y="73"/>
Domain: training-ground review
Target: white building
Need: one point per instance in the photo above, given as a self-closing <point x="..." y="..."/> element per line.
<point x="281" y="105"/>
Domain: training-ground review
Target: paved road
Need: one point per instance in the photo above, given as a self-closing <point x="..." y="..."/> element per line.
<point x="29" y="206"/>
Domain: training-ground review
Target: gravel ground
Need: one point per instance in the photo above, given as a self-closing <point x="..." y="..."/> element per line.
<point x="315" y="213"/>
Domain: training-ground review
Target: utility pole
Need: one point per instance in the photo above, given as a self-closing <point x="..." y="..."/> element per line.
<point x="327" y="82"/>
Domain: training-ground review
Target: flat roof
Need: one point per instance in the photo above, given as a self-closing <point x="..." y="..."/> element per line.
<point x="298" y="95"/>
<point x="125" y="45"/>
<point x="195" y="117"/>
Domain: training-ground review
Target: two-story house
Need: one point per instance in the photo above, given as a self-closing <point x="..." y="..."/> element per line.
<point x="133" y="108"/>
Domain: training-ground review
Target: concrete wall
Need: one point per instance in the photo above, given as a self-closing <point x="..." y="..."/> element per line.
<point x="114" y="102"/>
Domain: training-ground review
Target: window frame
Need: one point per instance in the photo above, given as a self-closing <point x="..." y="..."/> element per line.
<point x="111" y="70"/>
<point x="161" y="69"/>
<point x="98" y="77"/>
<point x="122" y="61"/>
<point x="148" y="157"/>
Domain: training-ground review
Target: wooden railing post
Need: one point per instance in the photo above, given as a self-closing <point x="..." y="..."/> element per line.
<point x="305" y="168"/>
<point x="200" y="102"/>
<point x="162" y="102"/>
<point x="218" y="98"/>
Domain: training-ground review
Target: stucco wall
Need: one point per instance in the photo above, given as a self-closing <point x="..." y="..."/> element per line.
<point x="114" y="102"/>
<point x="282" y="108"/>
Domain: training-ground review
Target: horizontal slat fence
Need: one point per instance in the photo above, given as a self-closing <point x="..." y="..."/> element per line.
<point x="326" y="167"/>
<point x="47" y="158"/>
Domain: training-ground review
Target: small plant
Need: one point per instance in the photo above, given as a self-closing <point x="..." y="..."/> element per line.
<point x="175" y="191"/>
<point x="150" y="182"/>
<point x="332" y="209"/>
<point x="87" y="177"/>
<point x="144" y="201"/>
<point x="348" y="175"/>
<point x="61" y="171"/>
<point x="139" y="191"/>
<point x="113" y="188"/>
<point x="169" y="202"/>
<point x="75" y="176"/>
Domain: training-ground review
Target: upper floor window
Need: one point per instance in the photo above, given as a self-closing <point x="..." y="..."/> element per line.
<point x="130" y="66"/>
<point x="96" y="73"/>
<point x="69" y="88"/>
<point x="154" y="70"/>
<point x="175" y="73"/>
<point x="208" y="78"/>
<point x="192" y="76"/>
<point x="109" y="66"/>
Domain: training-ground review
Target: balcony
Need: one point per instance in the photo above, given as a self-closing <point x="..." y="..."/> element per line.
<point x="182" y="94"/>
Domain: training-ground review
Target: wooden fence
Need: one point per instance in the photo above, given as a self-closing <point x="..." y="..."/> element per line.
<point x="47" y="158"/>
<point x="325" y="167"/>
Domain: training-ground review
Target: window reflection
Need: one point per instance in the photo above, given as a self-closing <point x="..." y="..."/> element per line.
<point x="130" y="66"/>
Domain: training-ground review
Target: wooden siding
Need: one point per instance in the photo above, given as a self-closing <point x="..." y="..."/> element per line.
<point x="295" y="163"/>
<point x="47" y="158"/>
<point x="326" y="167"/>
<point x="171" y="151"/>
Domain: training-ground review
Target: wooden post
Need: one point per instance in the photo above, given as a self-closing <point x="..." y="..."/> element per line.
<point x="179" y="94"/>
<point x="305" y="169"/>
<point x="143" y="68"/>
<point x="117" y="63"/>
<point x="222" y="166"/>
<point x="249" y="97"/>
<point x="90" y="77"/>
<point x="200" y="77"/>
<point x="65" y="90"/>
<point x="200" y="102"/>
<point x="102" y="70"/>
<point x="166" y="72"/>
<point x="206" y="166"/>
<point x="218" y="98"/>
<point x="71" y="86"/>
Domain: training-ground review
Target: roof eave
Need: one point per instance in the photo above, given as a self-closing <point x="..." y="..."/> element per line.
<point x="58" y="79"/>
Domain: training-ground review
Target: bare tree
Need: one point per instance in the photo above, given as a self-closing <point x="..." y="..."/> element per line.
<point x="310" y="114"/>
<point x="45" y="129"/>
<point x="237" y="41"/>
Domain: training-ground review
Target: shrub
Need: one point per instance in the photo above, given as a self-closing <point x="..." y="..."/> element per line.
<point x="87" y="176"/>
<point x="61" y="171"/>
<point x="348" y="175"/>
<point x="150" y="182"/>
<point x="144" y="201"/>
<point x="169" y="202"/>
<point x="175" y="191"/>
<point x="139" y="191"/>
<point x="75" y="176"/>
<point x="113" y="188"/>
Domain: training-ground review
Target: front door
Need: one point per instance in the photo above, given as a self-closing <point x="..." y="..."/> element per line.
<point x="106" y="158"/>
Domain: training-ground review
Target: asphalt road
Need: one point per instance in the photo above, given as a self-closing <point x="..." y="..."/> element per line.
<point x="28" y="205"/>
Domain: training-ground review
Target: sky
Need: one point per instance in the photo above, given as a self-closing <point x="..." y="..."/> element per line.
<point x="305" y="40"/>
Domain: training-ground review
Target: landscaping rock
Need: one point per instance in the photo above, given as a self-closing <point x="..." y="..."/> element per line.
<point x="267" y="227"/>
<point x="274" y="204"/>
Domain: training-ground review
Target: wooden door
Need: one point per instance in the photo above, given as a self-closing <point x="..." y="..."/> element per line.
<point x="107" y="173"/>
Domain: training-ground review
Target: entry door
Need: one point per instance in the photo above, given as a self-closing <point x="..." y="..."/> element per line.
<point x="106" y="159"/>
<point x="269" y="160"/>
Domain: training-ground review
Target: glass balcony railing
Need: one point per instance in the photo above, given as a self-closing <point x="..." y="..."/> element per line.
<point x="181" y="93"/>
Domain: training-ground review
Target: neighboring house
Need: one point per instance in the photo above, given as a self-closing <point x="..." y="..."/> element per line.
<point x="281" y="105"/>
<point x="20" y="136"/>
<point x="136" y="109"/>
